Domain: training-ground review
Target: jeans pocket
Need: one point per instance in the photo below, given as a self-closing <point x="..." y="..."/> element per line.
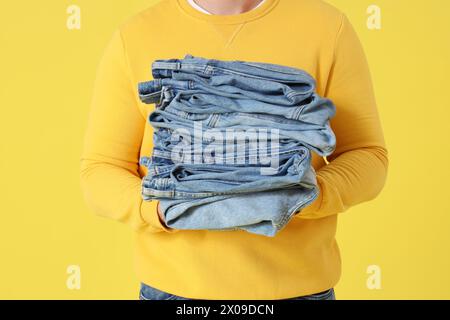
<point x="150" y="293"/>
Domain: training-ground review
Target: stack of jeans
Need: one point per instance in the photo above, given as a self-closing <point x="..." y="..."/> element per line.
<point x="233" y="142"/>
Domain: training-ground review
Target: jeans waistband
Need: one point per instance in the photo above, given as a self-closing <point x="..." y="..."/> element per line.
<point x="226" y="86"/>
<point x="212" y="67"/>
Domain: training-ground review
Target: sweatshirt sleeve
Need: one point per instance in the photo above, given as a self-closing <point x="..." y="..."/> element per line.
<point x="109" y="166"/>
<point x="357" y="170"/>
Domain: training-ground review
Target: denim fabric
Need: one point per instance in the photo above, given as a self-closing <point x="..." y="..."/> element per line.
<point x="151" y="293"/>
<point x="211" y="67"/>
<point x="314" y="110"/>
<point x="189" y="181"/>
<point x="324" y="295"/>
<point x="231" y="86"/>
<point x="318" y="138"/>
<point x="264" y="213"/>
<point x="204" y="181"/>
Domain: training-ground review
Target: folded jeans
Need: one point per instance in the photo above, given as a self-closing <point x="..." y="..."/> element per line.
<point x="204" y="180"/>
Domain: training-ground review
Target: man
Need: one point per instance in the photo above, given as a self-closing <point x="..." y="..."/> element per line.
<point x="303" y="259"/>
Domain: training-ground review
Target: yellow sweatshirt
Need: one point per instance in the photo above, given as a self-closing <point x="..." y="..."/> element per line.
<point x="301" y="259"/>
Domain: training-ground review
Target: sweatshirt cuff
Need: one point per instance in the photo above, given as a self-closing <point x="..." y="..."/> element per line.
<point x="151" y="218"/>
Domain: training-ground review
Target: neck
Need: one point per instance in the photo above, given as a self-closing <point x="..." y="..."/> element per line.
<point x="227" y="7"/>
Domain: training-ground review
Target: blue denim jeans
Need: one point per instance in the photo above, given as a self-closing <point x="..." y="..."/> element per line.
<point x="220" y="178"/>
<point x="231" y="86"/>
<point x="318" y="138"/>
<point x="191" y="181"/>
<point x="150" y="293"/>
<point x="251" y="192"/>
<point x="211" y="67"/>
<point x="197" y="103"/>
<point x="263" y="213"/>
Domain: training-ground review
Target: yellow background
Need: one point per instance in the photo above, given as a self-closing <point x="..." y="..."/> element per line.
<point x="46" y="78"/>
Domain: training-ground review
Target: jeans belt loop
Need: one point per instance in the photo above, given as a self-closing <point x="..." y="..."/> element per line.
<point x="166" y="65"/>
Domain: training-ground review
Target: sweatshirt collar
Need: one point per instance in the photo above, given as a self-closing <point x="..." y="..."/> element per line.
<point x="253" y="14"/>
